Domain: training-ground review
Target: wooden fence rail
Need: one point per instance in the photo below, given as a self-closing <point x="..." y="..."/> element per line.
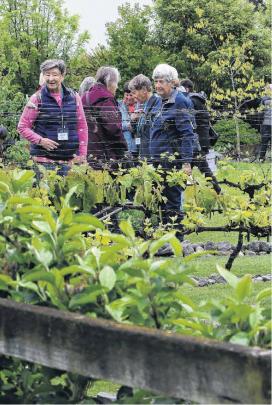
<point x="195" y="369"/>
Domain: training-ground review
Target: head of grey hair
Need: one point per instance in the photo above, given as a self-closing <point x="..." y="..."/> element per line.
<point x="53" y="63"/>
<point x="86" y="85"/>
<point x="107" y="75"/>
<point x="166" y="72"/>
<point x="140" y="82"/>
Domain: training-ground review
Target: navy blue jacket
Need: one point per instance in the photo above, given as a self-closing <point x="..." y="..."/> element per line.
<point x="145" y="123"/>
<point x="172" y="129"/>
<point x="50" y="120"/>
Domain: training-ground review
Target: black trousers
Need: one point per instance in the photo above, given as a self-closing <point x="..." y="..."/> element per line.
<point x="266" y="138"/>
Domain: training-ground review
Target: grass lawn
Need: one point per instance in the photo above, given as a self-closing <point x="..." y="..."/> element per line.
<point x="205" y="266"/>
<point x="218" y="291"/>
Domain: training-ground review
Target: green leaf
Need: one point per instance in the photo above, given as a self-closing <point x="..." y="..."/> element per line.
<point x="121" y="239"/>
<point x="243" y="287"/>
<point x="139" y="264"/>
<point x="89" y="220"/>
<point x="127" y="229"/>
<point x="44" y="257"/>
<point x="69" y="195"/>
<point x="230" y="278"/>
<point x="117" y="307"/>
<point x="42" y="226"/>
<point x="32" y="209"/>
<point x="74" y="269"/>
<point x="4" y="188"/>
<point x="107" y="277"/>
<point x="189" y="324"/>
<point x="77" y="230"/>
<point x="7" y="280"/>
<point x="87" y="297"/>
<point x="266" y="293"/>
<point x="167" y="238"/>
<point x="240" y="338"/>
<point x="18" y="199"/>
<point x="40" y="276"/>
<point x="176" y="246"/>
<point x="65" y="216"/>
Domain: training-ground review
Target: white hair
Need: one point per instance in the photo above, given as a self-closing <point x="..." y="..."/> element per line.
<point x="86" y="85"/>
<point x="53" y="63"/>
<point x="166" y="72"/>
<point x="107" y="75"/>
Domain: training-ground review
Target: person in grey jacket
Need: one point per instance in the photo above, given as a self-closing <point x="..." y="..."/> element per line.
<point x="266" y="101"/>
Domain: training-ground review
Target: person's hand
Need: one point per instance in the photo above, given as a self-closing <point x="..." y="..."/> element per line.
<point x="135" y="116"/>
<point x="48" y="144"/>
<point x="79" y="160"/>
<point x="186" y="167"/>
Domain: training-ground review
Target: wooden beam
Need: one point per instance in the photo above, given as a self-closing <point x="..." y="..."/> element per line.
<point x="200" y="370"/>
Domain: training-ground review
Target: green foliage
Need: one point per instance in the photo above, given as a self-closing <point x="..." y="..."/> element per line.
<point x="32" y="31"/>
<point x="194" y="33"/>
<point x="17" y="153"/>
<point x="231" y="319"/>
<point x="130" y="47"/>
<point x="11" y="101"/>
<point x="136" y="218"/>
<point x="26" y="383"/>
<point x="226" y="128"/>
<point x="59" y="257"/>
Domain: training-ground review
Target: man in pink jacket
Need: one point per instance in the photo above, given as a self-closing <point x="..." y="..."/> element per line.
<point x="53" y="121"/>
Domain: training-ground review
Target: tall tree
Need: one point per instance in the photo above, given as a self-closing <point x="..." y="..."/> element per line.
<point x="193" y="31"/>
<point x="129" y="42"/>
<point x="34" y="30"/>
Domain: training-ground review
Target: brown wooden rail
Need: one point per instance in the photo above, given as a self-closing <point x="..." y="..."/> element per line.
<point x="195" y="369"/>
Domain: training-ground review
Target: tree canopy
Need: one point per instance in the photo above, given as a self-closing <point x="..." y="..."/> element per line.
<point x="32" y="31"/>
<point x="192" y="35"/>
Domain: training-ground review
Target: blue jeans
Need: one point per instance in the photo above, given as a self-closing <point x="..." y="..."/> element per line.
<point x="130" y="142"/>
<point x="62" y="169"/>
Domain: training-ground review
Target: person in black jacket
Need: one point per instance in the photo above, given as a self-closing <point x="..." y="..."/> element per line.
<point x="202" y="121"/>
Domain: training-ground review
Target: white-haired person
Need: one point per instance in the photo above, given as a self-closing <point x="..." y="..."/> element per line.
<point x="142" y="90"/>
<point x="171" y="134"/>
<point x="86" y="85"/>
<point x="106" y="139"/>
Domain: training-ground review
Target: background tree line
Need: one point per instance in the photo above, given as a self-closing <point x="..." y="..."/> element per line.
<point x="222" y="45"/>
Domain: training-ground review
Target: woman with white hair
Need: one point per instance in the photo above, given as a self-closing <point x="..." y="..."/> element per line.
<point x="142" y="90"/>
<point x="106" y="140"/>
<point x="171" y="134"/>
<point x="86" y="85"/>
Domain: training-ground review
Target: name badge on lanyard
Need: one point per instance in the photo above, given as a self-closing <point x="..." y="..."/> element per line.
<point x="137" y="141"/>
<point x="63" y="134"/>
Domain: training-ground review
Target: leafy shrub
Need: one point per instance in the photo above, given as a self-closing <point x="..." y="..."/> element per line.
<point x="136" y="217"/>
<point x="17" y="153"/>
<point x="68" y="260"/>
<point x="227" y="130"/>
